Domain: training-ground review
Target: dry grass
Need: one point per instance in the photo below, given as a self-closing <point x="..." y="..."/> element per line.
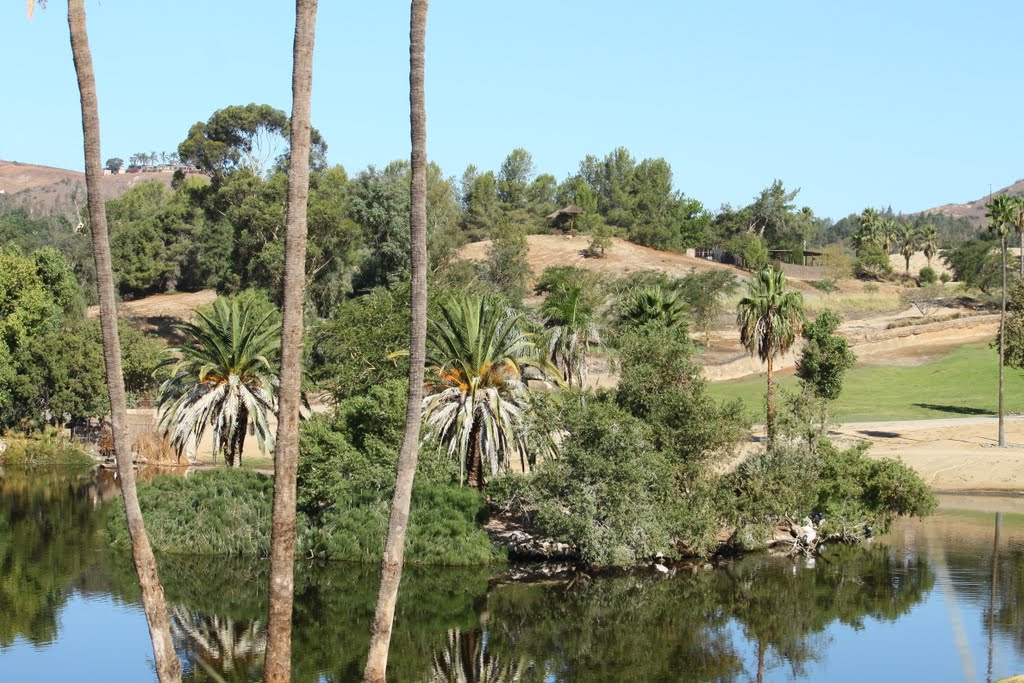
<point x="156" y="448"/>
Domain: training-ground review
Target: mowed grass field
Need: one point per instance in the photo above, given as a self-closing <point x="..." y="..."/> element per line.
<point x="963" y="383"/>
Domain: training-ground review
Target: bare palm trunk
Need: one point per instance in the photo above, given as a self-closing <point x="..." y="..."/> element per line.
<point x="153" y="604"/>
<point x="1002" y="349"/>
<point x="992" y="594"/>
<point x="234" y="456"/>
<point x="770" y="417"/>
<point x="474" y="460"/>
<point x="286" y="455"/>
<point x="1021" y="255"/>
<point x="394" y="546"/>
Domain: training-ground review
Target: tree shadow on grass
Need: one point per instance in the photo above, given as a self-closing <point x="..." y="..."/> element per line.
<point x="879" y="435"/>
<point x="959" y="410"/>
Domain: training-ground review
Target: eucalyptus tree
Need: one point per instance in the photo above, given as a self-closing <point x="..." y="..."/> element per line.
<point x="570" y="318"/>
<point x="168" y="668"/>
<point x="999" y="211"/>
<point x="769" y="319"/>
<point x="278" y="664"/>
<point x="223" y="377"/>
<point x="398" y="518"/>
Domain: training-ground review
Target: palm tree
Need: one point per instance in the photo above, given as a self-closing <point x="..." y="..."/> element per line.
<point x="569" y="317"/>
<point x="1017" y="219"/>
<point x="906" y="240"/>
<point x="168" y="668"/>
<point x="479" y="353"/>
<point x="223" y="378"/>
<point x="888" y="232"/>
<point x="929" y="241"/>
<point x="770" y="319"/>
<point x="278" y="664"/>
<point x="1000" y="215"/>
<point x="868" y="234"/>
<point x="654" y="304"/>
<point x="398" y="519"/>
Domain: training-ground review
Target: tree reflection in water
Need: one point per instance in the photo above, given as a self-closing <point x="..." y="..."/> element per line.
<point x="466" y="658"/>
<point x="220" y="645"/>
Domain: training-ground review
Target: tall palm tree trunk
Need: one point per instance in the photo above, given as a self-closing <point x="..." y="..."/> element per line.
<point x="474" y="459"/>
<point x="394" y="546"/>
<point x="1002" y="348"/>
<point x="1021" y="255"/>
<point x="282" y="536"/>
<point x="770" y="413"/>
<point x="153" y="604"/>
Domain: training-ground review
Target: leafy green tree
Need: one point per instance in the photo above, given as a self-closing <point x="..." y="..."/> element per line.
<point x="361" y="345"/>
<point x="975" y="263"/>
<point x="514" y="178"/>
<point x="769" y="319"/>
<point x="223" y="377"/>
<point x="824" y="359"/>
<point x="251" y="136"/>
<point x="705" y="292"/>
<point x="114" y="165"/>
<point x="569" y="314"/>
<point x="478" y="353"/>
<point x="661" y="384"/>
<point x="480" y="202"/>
<point x="507" y="267"/>
<point x="1016" y="217"/>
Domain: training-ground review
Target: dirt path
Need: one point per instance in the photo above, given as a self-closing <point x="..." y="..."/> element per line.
<point x="953" y="455"/>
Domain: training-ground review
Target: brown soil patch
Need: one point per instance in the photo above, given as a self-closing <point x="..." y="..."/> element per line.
<point x="158" y="314"/>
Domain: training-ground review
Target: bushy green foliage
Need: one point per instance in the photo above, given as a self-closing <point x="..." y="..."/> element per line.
<point x="748" y="251"/>
<point x="559" y="277"/>
<point x="507" y="267"/>
<point x="227" y="512"/>
<point x="704" y="292"/>
<point x="927" y="276"/>
<point x="853" y="495"/>
<point x="975" y="263"/>
<point x="872" y="263"/>
<point x="661" y="384"/>
<point x="611" y="493"/>
<point x="45" y="448"/>
<point x="825" y="356"/>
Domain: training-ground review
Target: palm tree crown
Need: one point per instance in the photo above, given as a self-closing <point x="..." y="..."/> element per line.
<point x="478" y="354"/>
<point x="770" y="318"/>
<point x="569" y="317"/>
<point x="654" y="304"/>
<point x="224" y="377"/>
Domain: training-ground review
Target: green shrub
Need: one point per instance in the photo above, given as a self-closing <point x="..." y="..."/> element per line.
<point x="227" y="512"/>
<point x="852" y="495"/>
<point x="927" y="276"/>
<point x="945" y="278"/>
<point x="827" y="285"/>
<point x="46" y="448"/>
<point x="748" y="251"/>
<point x="872" y="262"/>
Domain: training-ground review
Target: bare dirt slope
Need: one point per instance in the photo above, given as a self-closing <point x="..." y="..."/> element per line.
<point x="623" y="258"/>
<point x="974" y="211"/>
<point x="44" y="190"/>
<point x="159" y="313"/>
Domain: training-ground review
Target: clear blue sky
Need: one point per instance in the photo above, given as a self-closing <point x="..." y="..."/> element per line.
<point x="908" y="103"/>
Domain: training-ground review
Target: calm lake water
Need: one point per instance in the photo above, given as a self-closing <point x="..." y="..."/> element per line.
<point x="941" y="600"/>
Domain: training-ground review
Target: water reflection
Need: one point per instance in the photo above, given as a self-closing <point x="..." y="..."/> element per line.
<point x="753" y="618"/>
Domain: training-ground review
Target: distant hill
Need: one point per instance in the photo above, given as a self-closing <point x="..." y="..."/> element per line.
<point x="47" y="191"/>
<point x="974" y="211"/>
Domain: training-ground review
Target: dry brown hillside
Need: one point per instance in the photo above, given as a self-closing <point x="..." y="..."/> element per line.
<point x="624" y="257"/>
<point x="44" y="190"/>
<point x="974" y="211"/>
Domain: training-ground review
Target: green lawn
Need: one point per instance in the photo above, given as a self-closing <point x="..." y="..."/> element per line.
<point x="962" y="383"/>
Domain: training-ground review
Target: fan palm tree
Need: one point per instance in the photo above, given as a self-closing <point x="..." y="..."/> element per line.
<point x="654" y="304"/>
<point x="906" y="241"/>
<point x="888" y="232"/>
<point x="569" y="317"/>
<point x="868" y="233"/>
<point x="928" y="238"/>
<point x="398" y="518"/>
<point x="478" y="354"/>
<point x="770" y="319"/>
<point x="223" y="378"/>
<point x="999" y="211"/>
<point x="1017" y="219"/>
<point x="168" y="668"/>
<point x="281" y="594"/>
